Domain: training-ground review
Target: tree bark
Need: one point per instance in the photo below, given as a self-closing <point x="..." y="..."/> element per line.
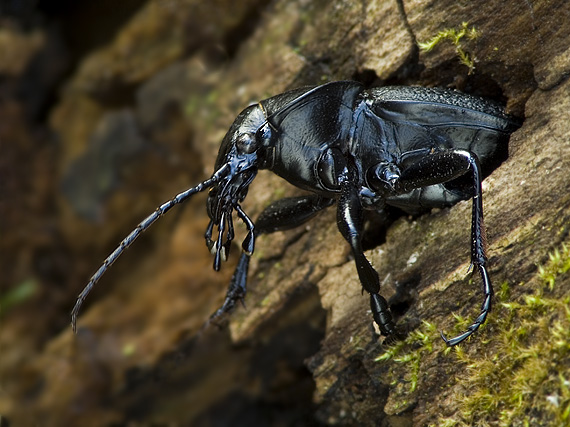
<point x="141" y="119"/>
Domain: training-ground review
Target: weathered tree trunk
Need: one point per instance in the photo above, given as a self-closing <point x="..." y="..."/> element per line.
<point x="141" y="118"/>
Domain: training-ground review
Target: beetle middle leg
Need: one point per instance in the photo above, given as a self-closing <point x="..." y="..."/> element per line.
<point x="350" y="224"/>
<point x="281" y="215"/>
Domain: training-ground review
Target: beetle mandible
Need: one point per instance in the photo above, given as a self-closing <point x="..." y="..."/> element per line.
<point x="361" y="148"/>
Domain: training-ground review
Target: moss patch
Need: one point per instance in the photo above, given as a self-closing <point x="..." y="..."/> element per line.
<point x="515" y="370"/>
<point x="454" y="36"/>
<point x="410" y="351"/>
<point x="408" y="371"/>
<point x="518" y="376"/>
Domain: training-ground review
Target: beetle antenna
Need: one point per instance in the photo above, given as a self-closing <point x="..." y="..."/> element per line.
<point x="143" y="225"/>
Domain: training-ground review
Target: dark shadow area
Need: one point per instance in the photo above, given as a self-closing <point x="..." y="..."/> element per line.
<point x="265" y="382"/>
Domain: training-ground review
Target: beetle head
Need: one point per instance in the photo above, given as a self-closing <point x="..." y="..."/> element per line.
<point x="238" y="160"/>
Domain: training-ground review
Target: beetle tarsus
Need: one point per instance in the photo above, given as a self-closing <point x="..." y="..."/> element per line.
<point x="485" y="309"/>
<point x="382" y="316"/>
<point x="236" y="291"/>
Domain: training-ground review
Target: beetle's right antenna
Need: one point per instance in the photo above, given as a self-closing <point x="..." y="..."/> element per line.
<point x="145" y="223"/>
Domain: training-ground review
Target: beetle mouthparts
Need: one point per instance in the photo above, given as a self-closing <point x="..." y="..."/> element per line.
<point x="220" y="248"/>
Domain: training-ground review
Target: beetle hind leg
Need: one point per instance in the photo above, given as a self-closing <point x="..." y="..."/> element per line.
<point x="440" y="167"/>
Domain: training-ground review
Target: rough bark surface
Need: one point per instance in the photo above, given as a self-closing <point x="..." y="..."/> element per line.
<point x="140" y="117"/>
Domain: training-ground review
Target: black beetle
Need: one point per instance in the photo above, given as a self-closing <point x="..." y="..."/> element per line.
<point x="407" y="147"/>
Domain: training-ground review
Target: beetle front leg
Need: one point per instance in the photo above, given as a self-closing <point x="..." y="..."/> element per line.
<point x="281" y="215"/>
<point x="350" y="221"/>
<point x="444" y="166"/>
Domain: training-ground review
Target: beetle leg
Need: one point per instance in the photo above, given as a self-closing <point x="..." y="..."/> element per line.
<point x="350" y="221"/>
<point x="281" y="215"/>
<point x="443" y="166"/>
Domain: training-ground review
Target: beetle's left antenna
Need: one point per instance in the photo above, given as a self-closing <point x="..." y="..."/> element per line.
<point x="144" y="224"/>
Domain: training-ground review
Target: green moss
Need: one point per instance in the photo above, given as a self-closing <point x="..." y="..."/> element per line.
<point x="19" y="294"/>
<point x="516" y="373"/>
<point x="519" y="377"/>
<point x="410" y="353"/>
<point x="454" y="36"/>
<point x="559" y="263"/>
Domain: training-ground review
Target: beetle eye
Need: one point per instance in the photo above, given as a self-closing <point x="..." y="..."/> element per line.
<point x="246" y="143"/>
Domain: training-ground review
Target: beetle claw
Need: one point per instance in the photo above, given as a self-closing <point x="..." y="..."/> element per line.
<point x="456" y="340"/>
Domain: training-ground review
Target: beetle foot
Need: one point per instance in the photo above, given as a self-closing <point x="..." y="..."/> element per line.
<point x="485" y="309"/>
<point x="393" y="338"/>
<point x="221" y="316"/>
<point x="236" y="292"/>
<point x="381" y="314"/>
<point x="233" y="295"/>
<point x="450" y="342"/>
<point x="470" y="330"/>
<point x="218" y="319"/>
